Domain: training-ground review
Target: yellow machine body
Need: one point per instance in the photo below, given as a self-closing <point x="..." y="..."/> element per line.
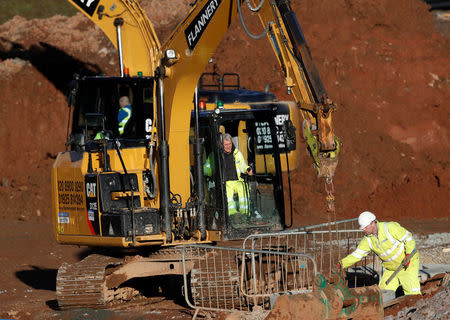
<point x="101" y="188"/>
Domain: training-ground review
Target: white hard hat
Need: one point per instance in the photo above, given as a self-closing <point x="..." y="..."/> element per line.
<point x="365" y="219"/>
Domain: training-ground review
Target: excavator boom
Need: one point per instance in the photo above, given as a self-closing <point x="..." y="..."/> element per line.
<point x="301" y="75"/>
<point x="194" y="42"/>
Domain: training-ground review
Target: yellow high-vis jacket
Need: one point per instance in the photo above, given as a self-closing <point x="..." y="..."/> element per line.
<point x="239" y="161"/>
<point x="391" y="244"/>
<point x="241" y="165"/>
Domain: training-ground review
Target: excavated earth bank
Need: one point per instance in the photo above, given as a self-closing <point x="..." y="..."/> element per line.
<point x="383" y="63"/>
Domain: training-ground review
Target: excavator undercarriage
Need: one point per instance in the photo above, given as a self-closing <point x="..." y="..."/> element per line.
<point x="242" y="276"/>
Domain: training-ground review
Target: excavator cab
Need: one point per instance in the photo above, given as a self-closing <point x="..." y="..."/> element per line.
<point x="121" y="168"/>
<point x="251" y="202"/>
<point x="256" y="121"/>
<point x="96" y="101"/>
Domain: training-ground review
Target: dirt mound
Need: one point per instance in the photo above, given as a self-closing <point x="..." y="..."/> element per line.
<point x="383" y="63"/>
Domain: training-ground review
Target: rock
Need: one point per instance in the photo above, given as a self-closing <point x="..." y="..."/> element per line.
<point x="436" y="308"/>
<point x="12" y="313"/>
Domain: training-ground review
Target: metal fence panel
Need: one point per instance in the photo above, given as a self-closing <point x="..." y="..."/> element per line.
<point x="326" y="248"/>
<point x="224" y="279"/>
<point x="347" y="224"/>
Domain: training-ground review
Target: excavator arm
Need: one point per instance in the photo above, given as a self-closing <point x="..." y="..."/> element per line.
<point x="193" y="43"/>
<point x="128" y="28"/>
<point x="177" y="66"/>
<point x="302" y="80"/>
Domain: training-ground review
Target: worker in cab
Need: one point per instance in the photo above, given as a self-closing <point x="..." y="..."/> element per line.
<point x="236" y="189"/>
<point x="393" y="244"/>
<point x="124" y="114"/>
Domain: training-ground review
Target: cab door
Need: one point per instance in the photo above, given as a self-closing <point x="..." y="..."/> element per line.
<point x="253" y="134"/>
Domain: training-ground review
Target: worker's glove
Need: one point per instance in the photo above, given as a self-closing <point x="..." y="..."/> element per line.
<point x="407" y="264"/>
<point x="337" y="268"/>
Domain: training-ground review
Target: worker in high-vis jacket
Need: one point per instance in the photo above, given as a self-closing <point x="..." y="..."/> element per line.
<point x="392" y="244"/>
<point x="124" y="114"/>
<point x="237" y="192"/>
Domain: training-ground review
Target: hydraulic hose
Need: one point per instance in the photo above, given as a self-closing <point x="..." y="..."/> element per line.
<point x="198" y="151"/>
<point x="251" y="35"/>
<point x="256" y="9"/>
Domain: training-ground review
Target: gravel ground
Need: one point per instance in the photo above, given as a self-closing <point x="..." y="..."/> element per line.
<point x="436" y="307"/>
<point x="431" y="248"/>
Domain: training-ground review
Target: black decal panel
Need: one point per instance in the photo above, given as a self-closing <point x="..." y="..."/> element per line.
<point x="92" y="203"/>
<point x="195" y="30"/>
<point x="263" y="134"/>
<point x="87" y="6"/>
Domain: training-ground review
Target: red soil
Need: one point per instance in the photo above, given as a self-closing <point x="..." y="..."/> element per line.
<point x="382" y="62"/>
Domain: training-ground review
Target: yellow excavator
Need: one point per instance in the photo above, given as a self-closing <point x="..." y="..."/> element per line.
<point x="142" y="189"/>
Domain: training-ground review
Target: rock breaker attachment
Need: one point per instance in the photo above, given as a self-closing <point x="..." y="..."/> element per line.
<point x="342" y="302"/>
<point x="330" y="299"/>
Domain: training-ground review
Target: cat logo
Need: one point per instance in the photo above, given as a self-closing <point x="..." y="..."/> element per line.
<point x="91" y="189"/>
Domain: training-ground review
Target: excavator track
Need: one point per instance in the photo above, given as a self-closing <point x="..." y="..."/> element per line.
<point x="88" y="283"/>
<point x="168" y="253"/>
<point x="214" y="280"/>
<point x="82" y="284"/>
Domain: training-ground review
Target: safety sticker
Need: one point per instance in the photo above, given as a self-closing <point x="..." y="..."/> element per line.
<point x="302" y="263"/>
<point x="91" y="215"/>
<point x="63" y="217"/>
